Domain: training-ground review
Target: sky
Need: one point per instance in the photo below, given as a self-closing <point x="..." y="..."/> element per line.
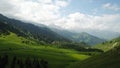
<point x="73" y="15"/>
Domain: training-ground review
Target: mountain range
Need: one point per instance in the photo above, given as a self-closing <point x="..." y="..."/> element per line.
<point x="80" y="37"/>
<point x="44" y="33"/>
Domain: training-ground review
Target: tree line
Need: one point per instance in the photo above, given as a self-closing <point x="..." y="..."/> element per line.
<point x="20" y="63"/>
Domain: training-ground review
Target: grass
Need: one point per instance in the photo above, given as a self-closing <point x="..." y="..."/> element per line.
<point x="109" y="59"/>
<point x="105" y="60"/>
<point x="57" y="58"/>
<point x="106" y="46"/>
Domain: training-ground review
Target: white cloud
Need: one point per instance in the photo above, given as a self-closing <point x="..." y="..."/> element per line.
<point x="48" y="12"/>
<point x="45" y="1"/>
<point x="61" y="3"/>
<point x="82" y="22"/>
<point x="111" y="6"/>
<point x="33" y="10"/>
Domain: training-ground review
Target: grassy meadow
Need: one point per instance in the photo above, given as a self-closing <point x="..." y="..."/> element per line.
<point x="12" y="45"/>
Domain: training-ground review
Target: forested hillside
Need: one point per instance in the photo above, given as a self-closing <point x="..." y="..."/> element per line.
<point x="29" y="30"/>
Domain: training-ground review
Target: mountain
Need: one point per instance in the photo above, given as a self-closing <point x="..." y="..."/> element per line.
<point x="39" y="33"/>
<point x="108" y="35"/>
<point x="79" y="37"/>
<point x="109" y="59"/>
<point x="28" y="30"/>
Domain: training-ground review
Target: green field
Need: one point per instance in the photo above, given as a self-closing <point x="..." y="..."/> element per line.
<point x="57" y="58"/>
<point x="12" y="45"/>
<point x="109" y="59"/>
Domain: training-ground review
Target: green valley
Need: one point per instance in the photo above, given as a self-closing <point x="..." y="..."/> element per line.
<point x="27" y="45"/>
<point x="57" y="57"/>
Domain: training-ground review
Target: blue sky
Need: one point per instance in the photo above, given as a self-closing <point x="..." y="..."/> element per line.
<point x="72" y="15"/>
<point x="91" y="6"/>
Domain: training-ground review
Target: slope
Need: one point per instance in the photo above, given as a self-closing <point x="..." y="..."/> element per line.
<point x="109" y="59"/>
<point x="29" y="30"/>
<point x="105" y="46"/>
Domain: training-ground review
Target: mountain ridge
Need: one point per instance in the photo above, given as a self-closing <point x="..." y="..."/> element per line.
<point x="80" y="37"/>
<point x="30" y="30"/>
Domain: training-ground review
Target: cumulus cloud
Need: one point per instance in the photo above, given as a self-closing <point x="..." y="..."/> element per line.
<point x="61" y="3"/>
<point x="48" y="12"/>
<point x="111" y="6"/>
<point x="82" y="22"/>
<point x="33" y="10"/>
